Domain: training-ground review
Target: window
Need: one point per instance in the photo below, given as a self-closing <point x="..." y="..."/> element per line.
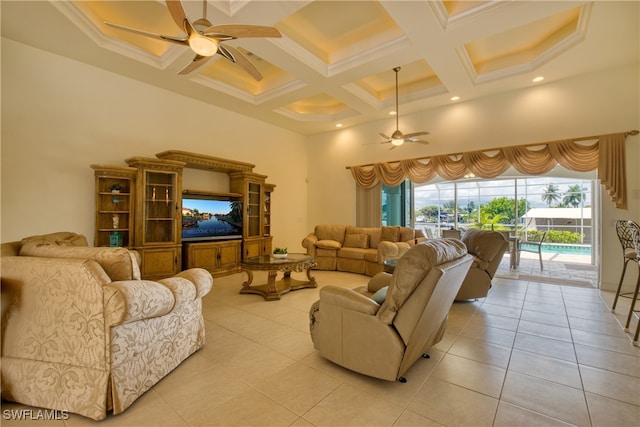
<point x="560" y="205"/>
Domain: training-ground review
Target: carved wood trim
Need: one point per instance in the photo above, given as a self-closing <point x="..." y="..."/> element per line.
<point x="203" y="161"/>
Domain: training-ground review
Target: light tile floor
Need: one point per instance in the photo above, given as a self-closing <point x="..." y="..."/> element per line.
<point x="530" y="354"/>
<point x="564" y="269"/>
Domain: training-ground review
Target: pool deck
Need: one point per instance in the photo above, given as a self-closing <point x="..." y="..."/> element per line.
<point x="562" y="269"/>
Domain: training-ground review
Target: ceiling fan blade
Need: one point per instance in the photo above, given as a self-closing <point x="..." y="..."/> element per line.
<point x="412" y="135"/>
<point x="416" y="140"/>
<point x="385" y="136"/>
<point x="241" y="60"/>
<point x="179" y="16"/>
<point x="238" y="31"/>
<point x="226" y="53"/>
<point x="197" y="62"/>
<point x="178" y="40"/>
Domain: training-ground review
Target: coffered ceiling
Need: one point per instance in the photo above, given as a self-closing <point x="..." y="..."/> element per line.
<point x="334" y="63"/>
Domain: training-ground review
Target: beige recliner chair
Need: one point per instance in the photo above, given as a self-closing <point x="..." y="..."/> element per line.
<point x="487" y="248"/>
<point x="384" y="339"/>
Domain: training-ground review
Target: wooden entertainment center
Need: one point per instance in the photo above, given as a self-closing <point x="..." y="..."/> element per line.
<point x="139" y="206"/>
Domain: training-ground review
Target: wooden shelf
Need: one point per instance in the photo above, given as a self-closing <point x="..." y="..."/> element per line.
<point x="212" y="194"/>
<point x="148" y="210"/>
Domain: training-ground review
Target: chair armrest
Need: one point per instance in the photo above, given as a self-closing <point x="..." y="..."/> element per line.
<point x="378" y="282"/>
<point x="309" y="243"/>
<point x="348" y="299"/>
<point x="132" y="300"/>
<point x="200" y="277"/>
<point x="387" y="250"/>
<point x="404" y="246"/>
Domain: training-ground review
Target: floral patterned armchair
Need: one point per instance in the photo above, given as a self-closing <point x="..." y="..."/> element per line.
<point x="81" y="332"/>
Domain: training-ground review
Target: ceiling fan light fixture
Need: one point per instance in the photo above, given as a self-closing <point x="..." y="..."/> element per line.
<point x="397" y="138"/>
<point x="201" y="45"/>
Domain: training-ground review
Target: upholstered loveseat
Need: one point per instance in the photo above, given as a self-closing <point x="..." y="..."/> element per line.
<point x="358" y="249"/>
<point x="82" y="333"/>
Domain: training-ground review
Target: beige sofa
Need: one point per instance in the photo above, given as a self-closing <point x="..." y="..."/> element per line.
<point x="382" y="329"/>
<point x="487" y="248"/>
<point x="82" y="333"/>
<point x="358" y="249"/>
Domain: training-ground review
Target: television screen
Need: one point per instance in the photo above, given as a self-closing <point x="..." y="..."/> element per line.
<point x="206" y="219"/>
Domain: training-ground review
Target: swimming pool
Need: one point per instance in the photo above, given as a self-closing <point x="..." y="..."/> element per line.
<point x="562" y="248"/>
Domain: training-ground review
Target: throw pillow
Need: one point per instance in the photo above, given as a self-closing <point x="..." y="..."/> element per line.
<point x="390" y="233"/>
<point x="406" y="234"/>
<point x="356" y="241"/>
<point x="380" y="296"/>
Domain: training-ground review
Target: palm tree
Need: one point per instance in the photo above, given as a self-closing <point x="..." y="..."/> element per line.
<point x="236" y="211"/>
<point x="551" y="195"/>
<point x="574" y="196"/>
<point x="488" y="219"/>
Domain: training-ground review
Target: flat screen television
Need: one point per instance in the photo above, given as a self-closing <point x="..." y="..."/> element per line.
<point x="211" y="219"/>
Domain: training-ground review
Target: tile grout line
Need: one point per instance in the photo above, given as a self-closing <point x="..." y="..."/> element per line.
<point x="573" y="345"/>
<point x="506" y="371"/>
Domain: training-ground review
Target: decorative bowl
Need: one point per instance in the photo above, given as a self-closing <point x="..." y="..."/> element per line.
<point x="279" y="255"/>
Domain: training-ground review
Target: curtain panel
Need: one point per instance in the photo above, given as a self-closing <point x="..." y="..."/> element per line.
<point x="606" y="154"/>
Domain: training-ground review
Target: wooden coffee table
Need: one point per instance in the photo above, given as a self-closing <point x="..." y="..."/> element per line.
<point x="274" y="289"/>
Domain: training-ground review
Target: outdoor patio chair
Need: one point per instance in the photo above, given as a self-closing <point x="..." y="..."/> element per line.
<point x="533" y="247"/>
<point x="452" y="234"/>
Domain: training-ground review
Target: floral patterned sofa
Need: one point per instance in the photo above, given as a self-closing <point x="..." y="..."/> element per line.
<point x="82" y="333"/>
<point x="360" y="250"/>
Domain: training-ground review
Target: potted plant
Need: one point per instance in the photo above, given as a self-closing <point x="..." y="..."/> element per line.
<point x="280" y="253"/>
<point x="116" y="187"/>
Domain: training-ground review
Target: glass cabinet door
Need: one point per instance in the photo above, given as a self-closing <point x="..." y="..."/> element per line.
<point x="160" y="207"/>
<point x="254" y="209"/>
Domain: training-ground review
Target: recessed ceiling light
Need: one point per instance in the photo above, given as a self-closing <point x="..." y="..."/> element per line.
<point x="392" y="113"/>
<point x="455" y="98"/>
<point x="338" y="125"/>
<point x="538" y="79"/>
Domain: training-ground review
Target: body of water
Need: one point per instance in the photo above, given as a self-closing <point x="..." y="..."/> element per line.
<point x="209" y="227"/>
<point x="560" y="248"/>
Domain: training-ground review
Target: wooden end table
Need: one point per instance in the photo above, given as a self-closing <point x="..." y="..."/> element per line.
<point x="389" y="265"/>
<point x="274" y="289"/>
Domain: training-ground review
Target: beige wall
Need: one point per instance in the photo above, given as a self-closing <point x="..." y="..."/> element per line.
<point x="58" y="119"/>
<point x="603" y="102"/>
<point x="60" y="116"/>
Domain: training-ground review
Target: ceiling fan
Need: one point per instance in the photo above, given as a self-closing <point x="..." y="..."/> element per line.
<point x="397" y="138"/>
<point x="205" y="39"/>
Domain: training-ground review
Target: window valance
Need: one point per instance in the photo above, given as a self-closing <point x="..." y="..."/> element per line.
<point x="606" y="153"/>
